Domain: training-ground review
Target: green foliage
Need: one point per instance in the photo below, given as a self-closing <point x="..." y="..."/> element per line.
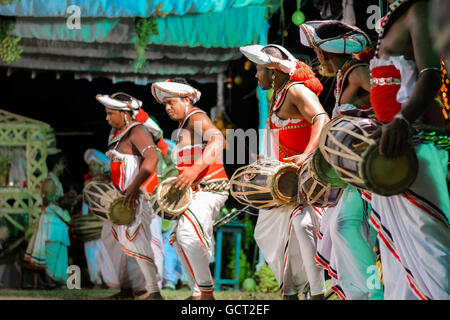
<point x="10" y="51"/>
<point x="145" y="27"/>
<point x="248" y="232"/>
<point x="249" y="284"/>
<point x="244" y="266"/>
<point x="166" y="225"/>
<point x="6" y="26"/>
<point x="267" y="281"/>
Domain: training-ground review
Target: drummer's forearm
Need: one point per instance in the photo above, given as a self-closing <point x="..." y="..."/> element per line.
<point x="317" y="128"/>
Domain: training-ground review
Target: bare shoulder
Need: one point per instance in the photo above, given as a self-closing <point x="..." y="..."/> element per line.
<point x="299" y="90"/>
<point x="199" y="117"/>
<point x="417" y="14"/>
<point x="359" y="74"/>
<point x="139" y="129"/>
<point x="139" y="132"/>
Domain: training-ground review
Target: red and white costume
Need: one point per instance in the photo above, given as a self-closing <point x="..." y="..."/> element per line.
<point x="135" y="238"/>
<point x="192" y="235"/>
<point x="286" y="235"/>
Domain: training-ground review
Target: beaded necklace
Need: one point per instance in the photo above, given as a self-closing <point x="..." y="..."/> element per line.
<point x="339" y="80"/>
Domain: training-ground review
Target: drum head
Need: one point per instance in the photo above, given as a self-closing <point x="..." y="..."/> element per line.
<point x="325" y="172"/>
<point x="386" y="176"/>
<point x="312" y="190"/>
<point x="120" y="214"/>
<point x="286" y="184"/>
<point x="171" y="201"/>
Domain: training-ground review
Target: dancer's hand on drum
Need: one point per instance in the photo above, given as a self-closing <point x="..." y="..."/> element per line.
<point x="393" y="138"/>
<point x="186" y="177"/>
<point x="297" y="159"/>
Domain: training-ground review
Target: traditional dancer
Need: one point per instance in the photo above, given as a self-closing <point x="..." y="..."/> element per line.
<point x="413" y="227"/>
<point x="346" y="240"/>
<point x="133" y="162"/>
<point x="286" y="235"/>
<point x="199" y="162"/>
<point x="48" y="245"/>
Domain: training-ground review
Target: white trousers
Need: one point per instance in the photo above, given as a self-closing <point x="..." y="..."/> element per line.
<point x="136" y="241"/>
<point x="414" y="230"/>
<point x="192" y="238"/>
<point x="286" y="237"/>
<point x="158" y="247"/>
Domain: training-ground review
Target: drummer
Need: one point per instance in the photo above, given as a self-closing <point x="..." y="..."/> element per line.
<point x="286" y="235"/>
<point x="199" y="163"/>
<point x="346" y="241"/>
<point x="413" y="228"/>
<point x="133" y="161"/>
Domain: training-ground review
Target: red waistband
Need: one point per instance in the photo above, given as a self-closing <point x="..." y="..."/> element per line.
<point x="383" y="98"/>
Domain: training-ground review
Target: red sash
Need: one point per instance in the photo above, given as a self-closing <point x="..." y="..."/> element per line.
<point x="383" y="98"/>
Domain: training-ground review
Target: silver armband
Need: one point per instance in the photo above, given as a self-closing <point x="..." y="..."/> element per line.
<point x="316" y="115"/>
<point x="148" y="147"/>
<point x="429" y="69"/>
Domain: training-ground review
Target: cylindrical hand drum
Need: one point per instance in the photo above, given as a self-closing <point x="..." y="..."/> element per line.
<point x="87" y="226"/>
<point x="265" y="184"/>
<point x="314" y="182"/>
<point x="346" y="145"/>
<point x="106" y="202"/>
<point x="169" y="202"/>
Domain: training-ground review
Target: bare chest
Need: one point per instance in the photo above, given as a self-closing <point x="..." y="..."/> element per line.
<point x="396" y="41"/>
<point x="288" y="110"/>
<point x="125" y="146"/>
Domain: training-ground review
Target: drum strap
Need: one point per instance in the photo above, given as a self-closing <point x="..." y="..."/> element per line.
<point x="116" y="138"/>
<point x="185" y="120"/>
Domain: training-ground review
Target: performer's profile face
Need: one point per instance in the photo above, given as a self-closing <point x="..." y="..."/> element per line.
<point x="325" y="68"/>
<point x="264" y="77"/>
<point x="114" y="118"/>
<point x="175" y="107"/>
